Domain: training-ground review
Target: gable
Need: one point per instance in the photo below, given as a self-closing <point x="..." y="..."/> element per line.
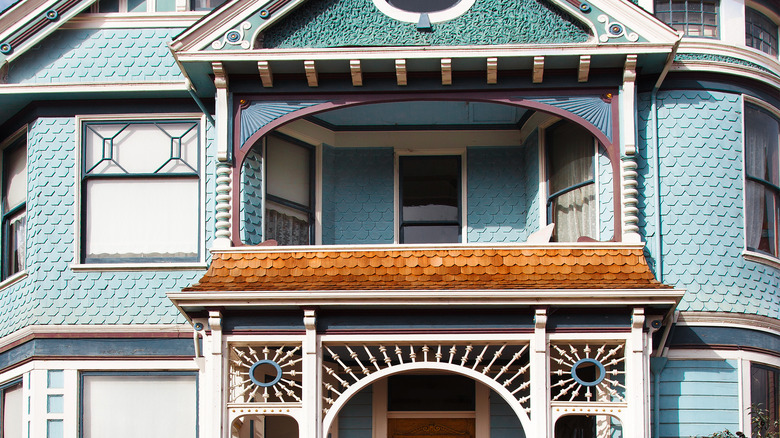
<point x="349" y="23"/>
<point x="242" y="26"/>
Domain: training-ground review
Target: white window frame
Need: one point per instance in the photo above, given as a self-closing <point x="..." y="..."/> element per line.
<point x="754" y="256"/>
<point x="399" y="152"/>
<point x="78" y="264"/>
<point x="6" y="143"/>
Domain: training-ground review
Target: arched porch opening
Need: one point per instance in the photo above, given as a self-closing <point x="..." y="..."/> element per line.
<point x="266" y="426"/>
<point x="339" y="173"/>
<point x="403" y="401"/>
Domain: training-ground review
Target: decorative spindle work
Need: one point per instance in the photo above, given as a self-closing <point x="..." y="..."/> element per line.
<point x="265" y="374"/>
<point x="345" y="365"/>
<point x="587" y="373"/>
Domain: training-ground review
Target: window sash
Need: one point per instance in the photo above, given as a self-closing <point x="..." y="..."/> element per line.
<point x="14" y="199"/>
<point x="440" y="222"/>
<point x="760" y="32"/>
<point x="697" y="18"/>
<point x="762" y="186"/>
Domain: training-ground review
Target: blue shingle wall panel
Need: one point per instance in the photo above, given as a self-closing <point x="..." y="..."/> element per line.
<point x="496" y="196"/>
<point x="503" y="420"/>
<point x="64" y="296"/>
<point x="328" y="195"/>
<point x="606" y="197"/>
<point x="98" y="55"/>
<point x="646" y="175"/>
<point x="363" y="195"/>
<point x="251" y="211"/>
<point x="699" y="398"/>
<point x="356" y="417"/>
<point x="530" y="174"/>
<point x="701" y="184"/>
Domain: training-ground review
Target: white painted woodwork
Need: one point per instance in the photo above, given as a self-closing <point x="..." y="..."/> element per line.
<point x="356" y="73"/>
<point x="492" y="71"/>
<point x="629" y="192"/>
<point x="584" y="69"/>
<point x="446" y="71"/>
<point x="214" y="378"/>
<point x="311" y="73"/>
<point x="312" y="412"/>
<point x="636" y="369"/>
<point x="266" y="74"/>
<point x="378" y="408"/>
<point x="400" y="71"/>
<point x="540" y="392"/>
<point x="538" y="72"/>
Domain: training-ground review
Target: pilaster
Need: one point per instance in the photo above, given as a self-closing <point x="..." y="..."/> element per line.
<point x="540" y="388"/>
<point x="636" y="375"/>
<point x="628" y="135"/>
<point x="216" y="399"/>
<point x="224" y="214"/>
<point x="312" y="402"/>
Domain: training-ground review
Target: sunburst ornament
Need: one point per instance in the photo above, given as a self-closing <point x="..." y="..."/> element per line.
<point x="265" y="374"/>
<point x="579" y="375"/>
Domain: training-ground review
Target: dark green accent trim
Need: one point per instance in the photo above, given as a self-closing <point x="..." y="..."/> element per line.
<point x="725" y="337"/>
<point x="349" y="23"/>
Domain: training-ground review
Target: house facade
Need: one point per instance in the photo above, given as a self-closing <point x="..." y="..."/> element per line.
<point x="389" y="218"/>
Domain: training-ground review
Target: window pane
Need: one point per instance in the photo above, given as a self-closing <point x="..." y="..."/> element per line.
<point x="286" y="225"/>
<point x="430" y="188"/>
<point x="12" y="411"/>
<point x="760" y="32"/>
<point x="139" y="406"/>
<point x="206" y="5"/>
<point x="142" y="218"/>
<point x="136" y="5"/>
<point x="15" y="177"/>
<point x="108" y="6"/>
<point x="765" y="392"/>
<point x="15" y="245"/>
<point x="165" y="5"/>
<point x="574" y="214"/>
<point x="570" y="152"/>
<point x="431" y="234"/>
<point x="694" y="17"/>
<point x="288" y="167"/>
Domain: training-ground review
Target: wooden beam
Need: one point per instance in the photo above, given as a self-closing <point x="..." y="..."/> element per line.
<point x="446" y="71"/>
<point x="400" y="71"/>
<point x="584" y="71"/>
<point x="311" y="73"/>
<point x="492" y="71"/>
<point x="357" y="73"/>
<point x="538" y="74"/>
<point x="266" y="75"/>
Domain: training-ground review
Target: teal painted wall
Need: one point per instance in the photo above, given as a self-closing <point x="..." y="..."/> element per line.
<point x="61" y="295"/>
<point x="99" y="55"/>
<point x="701" y="210"/>
<point x="606" y="196"/>
<point x="360" y="195"/>
<point x="503" y="420"/>
<point x="356" y="417"/>
<point x="251" y="196"/>
<point x="699" y="397"/>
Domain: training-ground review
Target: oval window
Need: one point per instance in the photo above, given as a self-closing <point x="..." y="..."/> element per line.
<point x="423" y="6"/>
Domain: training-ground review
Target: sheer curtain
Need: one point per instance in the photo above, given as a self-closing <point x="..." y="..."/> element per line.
<point x="571" y="152"/>
<point x="761" y="161"/>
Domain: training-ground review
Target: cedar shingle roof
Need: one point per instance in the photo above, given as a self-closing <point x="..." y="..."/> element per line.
<point x="428" y="269"/>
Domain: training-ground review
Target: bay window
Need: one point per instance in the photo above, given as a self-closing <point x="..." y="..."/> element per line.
<point x="571" y="188"/>
<point x="760" y="32"/>
<point x="762" y="170"/>
<point x="14" y="206"/>
<point x="140" y="191"/>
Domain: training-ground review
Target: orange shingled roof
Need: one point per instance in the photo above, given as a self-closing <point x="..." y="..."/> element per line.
<point x="429" y="269"/>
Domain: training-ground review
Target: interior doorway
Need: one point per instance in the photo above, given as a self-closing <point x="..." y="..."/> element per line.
<point x="430" y="427"/>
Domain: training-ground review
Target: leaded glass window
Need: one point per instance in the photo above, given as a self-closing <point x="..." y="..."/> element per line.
<point x="697" y="18"/>
<point x="141" y="191"/>
<point x="760" y="32"/>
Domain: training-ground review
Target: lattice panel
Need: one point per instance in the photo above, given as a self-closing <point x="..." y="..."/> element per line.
<point x="265" y="374"/>
<point x="345" y="365"/>
<point x="581" y="372"/>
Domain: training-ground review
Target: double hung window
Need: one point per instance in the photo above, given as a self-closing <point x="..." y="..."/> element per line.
<point x="14" y="206"/>
<point x="140" y="191"/>
<point x="289" y="204"/>
<point x="762" y="170"/>
<point x="760" y="32"/>
<point x="698" y="18"/>
<point x="430" y="199"/>
<point x="571" y="201"/>
<point x="764" y="396"/>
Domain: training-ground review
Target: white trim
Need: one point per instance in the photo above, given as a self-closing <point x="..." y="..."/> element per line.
<point x="78" y="265"/>
<point x="764" y="259"/>
<point x="426" y="246"/>
<point x="92" y="87"/>
<point x="14" y="278"/>
<point x="378" y="409"/>
<point x="719" y="48"/>
<point x="763" y="104"/>
<point x="425" y="337"/>
<point x="317" y="193"/>
<point x="156" y="20"/>
<point x="413" y="17"/>
<point x="33" y="330"/>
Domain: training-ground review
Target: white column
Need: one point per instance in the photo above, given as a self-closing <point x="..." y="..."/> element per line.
<point x="540" y="377"/>
<point x="637" y="374"/>
<point x="223" y="189"/>
<point x="312" y="402"/>
<point x="628" y="137"/>
<point x="217" y="407"/>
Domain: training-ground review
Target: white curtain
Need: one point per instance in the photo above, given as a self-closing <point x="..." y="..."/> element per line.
<point x="139" y="406"/>
<point x="761" y="161"/>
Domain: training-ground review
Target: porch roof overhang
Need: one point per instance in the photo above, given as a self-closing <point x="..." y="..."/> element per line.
<point x="593" y="274"/>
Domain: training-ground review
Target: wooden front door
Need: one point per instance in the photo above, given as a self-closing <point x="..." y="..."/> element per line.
<point x="430" y="427"/>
